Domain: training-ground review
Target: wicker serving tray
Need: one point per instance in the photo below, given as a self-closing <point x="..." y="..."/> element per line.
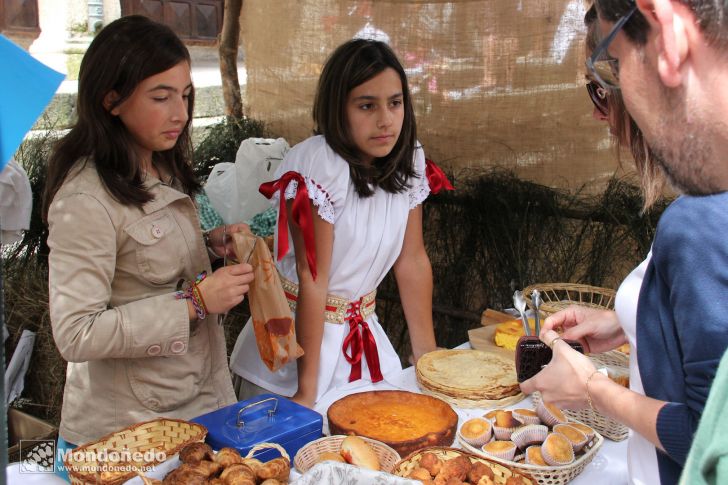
<point x="162" y="437"/>
<point x="547" y="475"/>
<point x="501" y="472"/>
<point x="308" y="455"/>
<point x="557" y="296"/>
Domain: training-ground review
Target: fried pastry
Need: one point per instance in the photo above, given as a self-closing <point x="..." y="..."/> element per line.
<point x="195" y="453"/>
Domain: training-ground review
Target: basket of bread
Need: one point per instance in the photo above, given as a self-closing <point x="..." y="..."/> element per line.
<point x="355" y="450"/>
<point x="542" y="443"/>
<point x="451" y="465"/>
<point x="200" y="465"/>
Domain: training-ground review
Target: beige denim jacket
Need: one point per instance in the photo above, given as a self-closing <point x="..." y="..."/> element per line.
<point x="113" y="272"/>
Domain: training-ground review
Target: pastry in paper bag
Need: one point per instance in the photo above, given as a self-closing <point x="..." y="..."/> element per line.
<point x="275" y="332"/>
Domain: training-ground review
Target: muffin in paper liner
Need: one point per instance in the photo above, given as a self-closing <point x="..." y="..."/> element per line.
<point x="550" y="414"/>
<point x="557" y="450"/>
<point x="529" y="435"/>
<point x="504" y="425"/>
<point x="526" y="416"/>
<point x="577" y="438"/>
<point x="505" y="450"/>
<point x="534" y="456"/>
<point x="588" y="431"/>
<point x="490" y="415"/>
<point x="476" y="431"/>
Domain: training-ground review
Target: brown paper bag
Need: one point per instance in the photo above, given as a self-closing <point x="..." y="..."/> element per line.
<point x="275" y="332"/>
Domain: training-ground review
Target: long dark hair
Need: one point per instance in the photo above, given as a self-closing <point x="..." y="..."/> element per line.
<point x="351" y="64"/>
<point x="122" y="55"/>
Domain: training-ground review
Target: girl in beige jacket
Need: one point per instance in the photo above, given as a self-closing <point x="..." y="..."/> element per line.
<point x="124" y="237"/>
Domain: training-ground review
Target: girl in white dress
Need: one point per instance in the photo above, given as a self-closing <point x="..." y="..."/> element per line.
<point x="351" y="197"/>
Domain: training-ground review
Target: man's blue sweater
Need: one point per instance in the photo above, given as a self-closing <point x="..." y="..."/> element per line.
<point x="682" y="319"/>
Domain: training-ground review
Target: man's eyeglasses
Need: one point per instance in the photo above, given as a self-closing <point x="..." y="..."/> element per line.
<point x="600" y="66"/>
<point x="598" y="96"/>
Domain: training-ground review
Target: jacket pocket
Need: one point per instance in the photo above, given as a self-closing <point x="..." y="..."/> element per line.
<point x="164" y="384"/>
<point x="159" y="247"/>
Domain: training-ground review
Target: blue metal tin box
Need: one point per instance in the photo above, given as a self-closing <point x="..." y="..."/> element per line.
<point x="265" y="418"/>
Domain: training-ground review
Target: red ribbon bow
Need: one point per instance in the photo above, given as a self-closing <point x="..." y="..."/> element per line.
<point x="360" y="340"/>
<point x="300" y="213"/>
<point x="436" y="178"/>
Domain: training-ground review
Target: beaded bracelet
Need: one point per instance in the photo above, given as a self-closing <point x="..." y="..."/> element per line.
<point x="194" y="294"/>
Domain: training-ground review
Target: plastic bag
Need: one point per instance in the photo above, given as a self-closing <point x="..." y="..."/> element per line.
<point x="221" y="188"/>
<point x="275" y="332"/>
<point x="233" y="188"/>
<point x="256" y="162"/>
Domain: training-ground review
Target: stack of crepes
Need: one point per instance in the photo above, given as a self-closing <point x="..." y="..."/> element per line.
<point x="469" y="378"/>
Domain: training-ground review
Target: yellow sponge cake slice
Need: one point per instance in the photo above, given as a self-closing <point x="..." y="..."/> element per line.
<point x="508" y="333"/>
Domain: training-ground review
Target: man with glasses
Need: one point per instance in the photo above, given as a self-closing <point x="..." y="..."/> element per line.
<point x="669" y="58"/>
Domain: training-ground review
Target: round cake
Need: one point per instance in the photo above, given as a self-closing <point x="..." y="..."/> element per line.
<point x="489" y="376"/>
<point x="403" y="420"/>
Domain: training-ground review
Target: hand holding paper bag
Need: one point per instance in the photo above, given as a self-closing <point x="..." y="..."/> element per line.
<point x="275" y="332"/>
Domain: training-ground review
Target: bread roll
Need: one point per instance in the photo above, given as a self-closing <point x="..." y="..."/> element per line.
<point x="357" y="452"/>
<point x="330" y="456"/>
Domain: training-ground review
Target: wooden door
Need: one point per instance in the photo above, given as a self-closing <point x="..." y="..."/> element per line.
<point x="19" y="17"/>
<point x="195" y="21"/>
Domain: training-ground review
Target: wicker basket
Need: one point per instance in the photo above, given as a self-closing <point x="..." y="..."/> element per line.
<point x="307" y="456"/>
<point x="501" y="472"/>
<point x="159" y="438"/>
<point x="607" y="427"/>
<point x="557" y="296"/>
<point x="547" y="475"/>
<point x="264" y="446"/>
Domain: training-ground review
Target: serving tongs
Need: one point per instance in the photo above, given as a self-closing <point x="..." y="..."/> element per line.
<point x="536" y="299"/>
<point x="519" y="302"/>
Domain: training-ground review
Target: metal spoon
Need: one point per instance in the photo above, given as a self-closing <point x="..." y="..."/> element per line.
<point x="520" y="303"/>
<point x="536" y="298"/>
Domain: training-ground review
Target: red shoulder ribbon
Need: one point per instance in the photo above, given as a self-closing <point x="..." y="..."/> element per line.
<point x="300" y="212"/>
<point x="436" y="177"/>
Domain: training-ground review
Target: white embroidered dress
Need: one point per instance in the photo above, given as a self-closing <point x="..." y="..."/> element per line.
<point x="368" y="237"/>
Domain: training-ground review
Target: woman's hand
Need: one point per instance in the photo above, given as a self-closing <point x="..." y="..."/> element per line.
<point x="220" y="241"/>
<point x="563" y="381"/>
<point x="597" y="330"/>
<point x="226" y="287"/>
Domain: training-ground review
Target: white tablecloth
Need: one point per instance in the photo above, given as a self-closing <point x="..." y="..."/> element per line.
<point x="609" y="467"/>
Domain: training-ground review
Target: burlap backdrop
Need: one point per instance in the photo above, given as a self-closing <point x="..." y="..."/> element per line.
<point x="495" y="82"/>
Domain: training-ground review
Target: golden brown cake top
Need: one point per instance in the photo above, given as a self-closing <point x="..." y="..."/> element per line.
<point x="555" y="411"/>
<point x="391" y="416"/>
<point x="499" y="445"/>
<point x="534" y="455"/>
<point x="573" y="434"/>
<point x="475" y="427"/>
<point x="505" y="419"/>
<point x="559" y="447"/>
